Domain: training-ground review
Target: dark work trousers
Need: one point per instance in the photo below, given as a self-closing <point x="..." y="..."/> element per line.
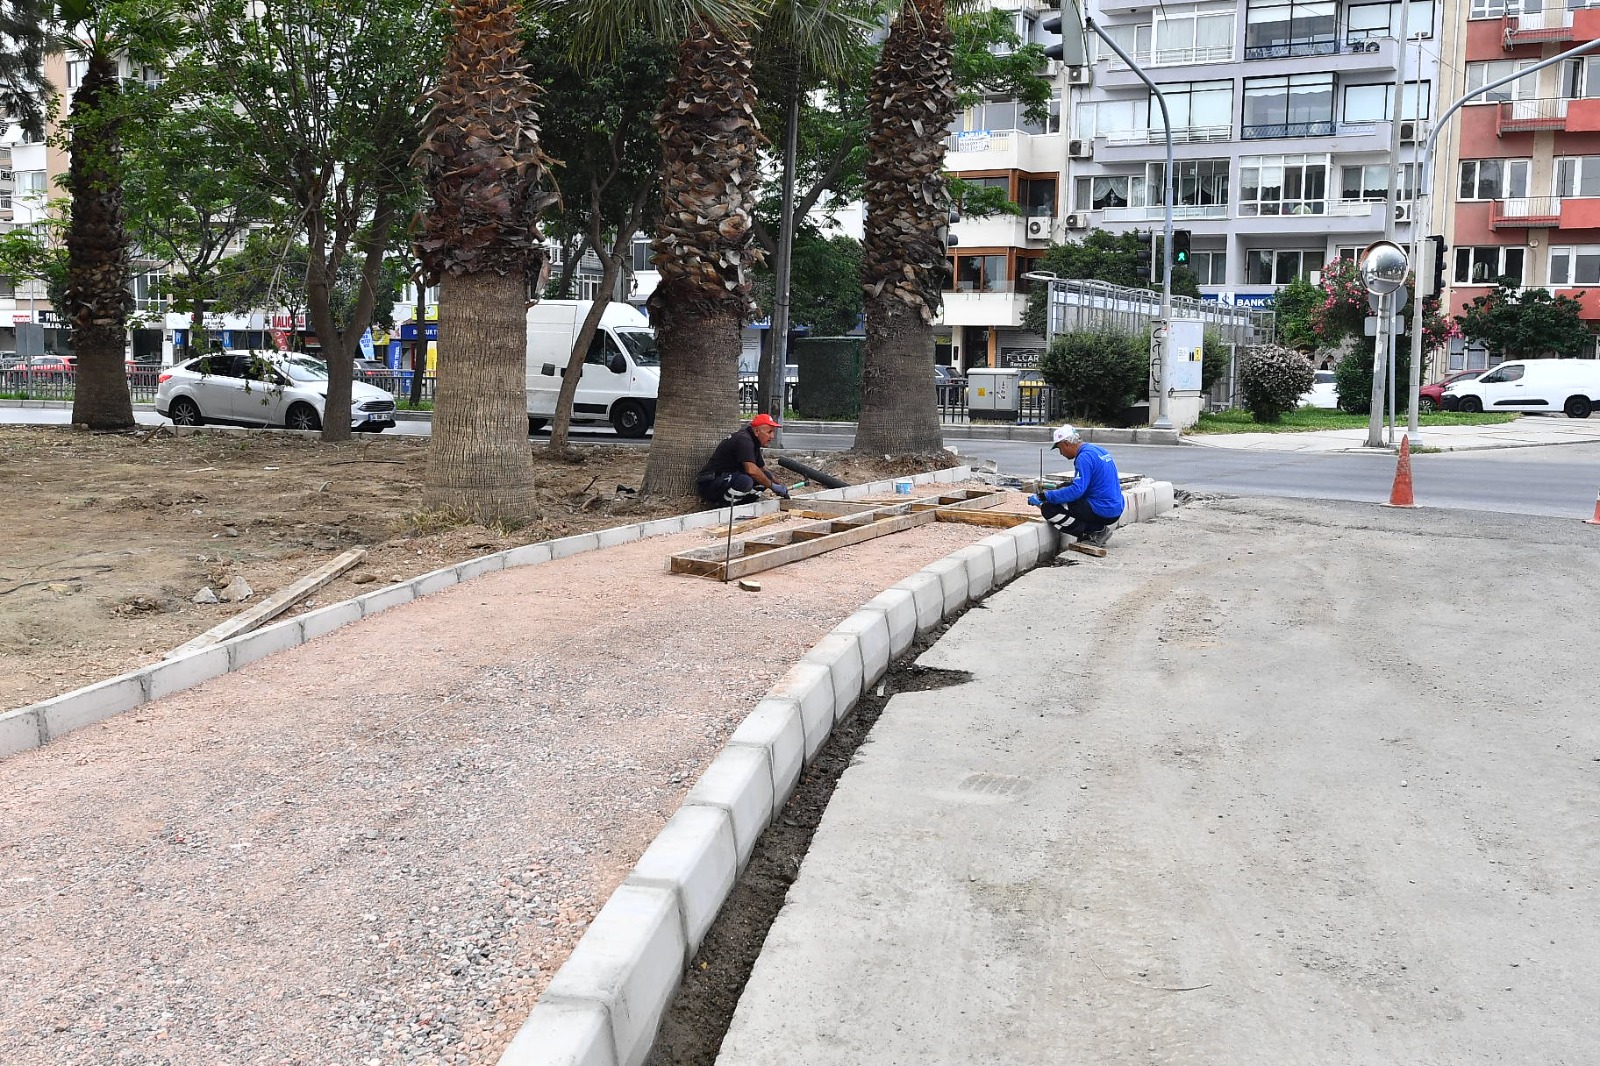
<point x="1076" y="519"/>
<point x="721" y="490"/>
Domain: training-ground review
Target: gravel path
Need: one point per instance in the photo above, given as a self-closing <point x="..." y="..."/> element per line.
<point x="378" y="847"/>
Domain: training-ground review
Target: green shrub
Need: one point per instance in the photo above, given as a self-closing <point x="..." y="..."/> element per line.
<point x="1096" y="374"/>
<point x="1352" y="378"/>
<point x="1213" y="360"/>
<point x="1273" y="379"/>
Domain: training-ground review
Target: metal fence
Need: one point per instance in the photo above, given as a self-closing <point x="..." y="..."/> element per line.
<point x="1093" y="305"/>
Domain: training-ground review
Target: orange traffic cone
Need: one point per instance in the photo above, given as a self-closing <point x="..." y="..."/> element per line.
<point x="1595" y="521"/>
<point x="1400" y="495"/>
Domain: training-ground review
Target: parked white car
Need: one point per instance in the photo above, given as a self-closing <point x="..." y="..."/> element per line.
<point x="620" y="374"/>
<point x="1322" y="394"/>
<point x="263" y="389"/>
<point x="1569" y="385"/>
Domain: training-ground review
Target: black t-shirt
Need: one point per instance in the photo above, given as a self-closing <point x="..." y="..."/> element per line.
<point x="735" y="451"/>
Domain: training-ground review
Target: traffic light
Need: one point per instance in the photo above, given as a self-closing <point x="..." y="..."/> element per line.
<point x="1144" y="255"/>
<point x="1070" y="50"/>
<point x="1435" y="283"/>
<point x="1180" y="247"/>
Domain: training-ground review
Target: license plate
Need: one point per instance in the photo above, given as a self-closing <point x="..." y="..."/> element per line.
<point x="377" y="416"/>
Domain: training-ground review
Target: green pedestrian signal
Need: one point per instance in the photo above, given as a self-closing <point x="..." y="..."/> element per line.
<point x="1180" y="247"/>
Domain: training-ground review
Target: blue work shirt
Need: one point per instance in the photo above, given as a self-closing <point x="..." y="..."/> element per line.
<point x="1095" y="478"/>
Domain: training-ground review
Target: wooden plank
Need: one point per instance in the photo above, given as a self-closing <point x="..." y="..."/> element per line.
<point x="273" y="605"/>
<point x="795" y="552"/>
<point x="758" y="522"/>
<point x="1087" y="549"/>
<point x="996" y="519"/>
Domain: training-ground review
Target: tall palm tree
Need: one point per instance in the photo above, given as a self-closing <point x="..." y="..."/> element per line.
<point x="98" y="299"/>
<point x="480" y="241"/>
<point x="911" y="103"/>
<point x="710" y="140"/>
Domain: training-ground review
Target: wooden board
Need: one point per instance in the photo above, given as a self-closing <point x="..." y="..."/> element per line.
<point x="1087" y="549"/>
<point x="995" y="519"/>
<point x="272" y="606"/>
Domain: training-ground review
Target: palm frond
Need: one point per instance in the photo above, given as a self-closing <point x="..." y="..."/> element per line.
<point x="598" y="29"/>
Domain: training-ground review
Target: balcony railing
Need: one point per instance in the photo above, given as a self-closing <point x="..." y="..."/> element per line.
<point x="1334" y="208"/>
<point x="1326" y="128"/>
<point x="1538" y="27"/>
<point x="1180" y="135"/>
<point x="987" y="288"/>
<point x="1524" y="116"/>
<point x="1525" y="211"/>
<point x="1296" y="49"/>
<point x="1180" y="212"/>
<point x="1177" y="57"/>
<point x="980" y="141"/>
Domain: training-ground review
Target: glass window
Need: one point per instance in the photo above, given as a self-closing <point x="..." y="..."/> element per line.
<point x="1277" y="266"/>
<point x="641" y="257"/>
<point x="1210" y="268"/>
<point x="1112" y="190"/>
<point x="1383" y="20"/>
<point x="1484" y="265"/>
<point x="1580" y="78"/>
<point x="1111" y="118"/>
<point x="1280" y="29"/>
<point x="1298" y="105"/>
<point x="1481" y="74"/>
<point x="1493" y="9"/>
<point x="1196" y="105"/>
<point x="1194" y="37"/>
<point x="1493" y="179"/>
<point x="1195" y="182"/>
<point x="1283" y="185"/>
<point x="1575" y="265"/>
<point x="1370" y="182"/>
<point x="1037" y="197"/>
<point x="1131" y="38"/>
<point x="1375" y="103"/>
<point x="1578" y="176"/>
<point x="981" y="273"/>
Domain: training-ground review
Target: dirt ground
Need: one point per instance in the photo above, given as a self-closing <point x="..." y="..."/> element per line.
<point x="109" y="537"/>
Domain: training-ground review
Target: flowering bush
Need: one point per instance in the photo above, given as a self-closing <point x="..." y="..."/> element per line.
<point x="1273" y="379"/>
<point x="1342" y="312"/>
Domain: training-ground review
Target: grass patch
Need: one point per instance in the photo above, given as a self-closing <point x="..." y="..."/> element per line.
<point x="401" y="404"/>
<point x="1309" y="419"/>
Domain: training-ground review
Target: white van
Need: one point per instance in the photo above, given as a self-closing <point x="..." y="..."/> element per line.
<point x="621" y="373"/>
<point x="1570" y="385"/>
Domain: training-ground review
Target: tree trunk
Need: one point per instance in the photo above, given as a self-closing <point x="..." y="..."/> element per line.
<point x="899" y="402"/>
<point x="698" y="403"/>
<point x="479" y="463"/>
<point x="98" y="300"/>
<point x="562" y="421"/>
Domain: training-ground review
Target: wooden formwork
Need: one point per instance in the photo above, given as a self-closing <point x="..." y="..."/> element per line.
<point x="841" y="524"/>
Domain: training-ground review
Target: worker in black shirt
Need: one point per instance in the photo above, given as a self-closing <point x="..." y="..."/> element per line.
<point x="736" y="473"/>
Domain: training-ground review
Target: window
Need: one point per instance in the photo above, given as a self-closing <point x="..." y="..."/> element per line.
<point x="1210" y="268"/>
<point x="148" y="292"/>
<point x="1131" y="38"/>
<point x="76" y="69"/>
<point x="1002" y="115"/>
<point x="1503" y="373"/>
<point x="1493" y="179"/>
<point x="1493" y="9"/>
<point x="1037" y="197"/>
<point x="1375" y="103"/>
<point x="1578" y="176"/>
<point x="1283" y="185"/>
<point x="1195" y="182"/>
<point x="1575" y="265"/>
<point x="641" y="257"/>
<point x="1115" y="190"/>
<point x="1113" y="118"/>
<point x="30" y="183"/>
<point x="1383" y="20"/>
<point x="1273" y="266"/>
<point x="1298" y="105"/>
<point x="1484" y="265"/>
<point x="981" y="273"/>
<point x="1279" y="29"/>
<point x="1194" y="37"/>
<point x="1370" y="182"/>
<point x="1580" y="78"/>
<point x="1196" y="105"/>
<point x="8" y="287"/>
<point x="1481" y="74"/>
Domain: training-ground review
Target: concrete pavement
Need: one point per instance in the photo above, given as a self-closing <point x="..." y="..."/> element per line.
<point x="1529" y="431"/>
<point x="1258" y="788"/>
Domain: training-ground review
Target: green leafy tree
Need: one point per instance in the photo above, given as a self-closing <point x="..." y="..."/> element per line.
<point x="1527" y="323"/>
<point x="269" y="275"/>
<point x="36" y="254"/>
<point x="323" y="110"/>
<point x="1214" y="357"/>
<point x="1273" y="378"/>
<point x="826" y="284"/>
<point x="1101" y="256"/>
<point x="1292" y="309"/>
<point x="24" y="92"/>
<point x="1097" y="373"/>
<point x="1352" y="377"/>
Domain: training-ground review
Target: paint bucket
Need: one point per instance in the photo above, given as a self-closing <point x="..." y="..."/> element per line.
<point x="902" y="487"/>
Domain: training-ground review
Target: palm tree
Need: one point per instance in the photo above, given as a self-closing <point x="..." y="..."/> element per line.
<point x="710" y="141"/>
<point x="911" y="103"/>
<point x="98" y="299"/>
<point x="480" y="241"/>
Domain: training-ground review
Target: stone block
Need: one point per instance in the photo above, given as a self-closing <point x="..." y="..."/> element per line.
<point x="86" y="706"/>
<point x="565" y="547"/>
<point x="775" y="727"/>
<point x="393" y="596"/>
<point x="952" y="575"/>
<point x="810" y="685"/>
<point x="19" y="731"/>
<point x="978" y="560"/>
<point x="629" y="962"/>
<point x="870" y="631"/>
<point x="1004" y="551"/>
<point x="618" y="535"/>
<point x="175" y="675"/>
<point x="314" y="624"/>
<point x="528" y="555"/>
<point x="738" y="781"/>
<point x="927" y="592"/>
<point x="562" y="1033"/>
<point x="841" y="654"/>
<point x="435" y="581"/>
<point x="253" y="647"/>
<point x="1027" y="539"/>
<point x="899" y="608"/>
<point x="694" y="854"/>
<point x="662" y="526"/>
<point x="1166" y="497"/>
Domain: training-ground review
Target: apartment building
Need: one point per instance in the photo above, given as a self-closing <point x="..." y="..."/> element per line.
<point x="1283" y="115"/>
<point x="1518" y="180"/>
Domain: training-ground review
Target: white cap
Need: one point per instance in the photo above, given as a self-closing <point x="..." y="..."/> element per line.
<point x="1064" y="433"/>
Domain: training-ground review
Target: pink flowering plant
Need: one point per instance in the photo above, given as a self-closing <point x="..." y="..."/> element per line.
<point x="1342" y="311"/>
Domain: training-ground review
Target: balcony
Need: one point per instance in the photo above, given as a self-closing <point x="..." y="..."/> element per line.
<point x="1321" y="128"/>
<point x="1525" y="212"/>
<point x="1175" y="57"/>
<point x="1530" y="116"/>
<point x="1310" y="216"/>
<point x="1180" y="135"/>
<point x="1004" y="150"/>
<point x="1157" y="213"/>
<point x="999" y="305"/>
<point x="1538" y="27"/>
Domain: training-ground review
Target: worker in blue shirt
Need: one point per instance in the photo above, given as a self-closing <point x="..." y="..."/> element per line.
<point x="1089" y="506"/>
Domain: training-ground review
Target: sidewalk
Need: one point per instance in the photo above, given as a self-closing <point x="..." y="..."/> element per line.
<point x="1526" y="432"/>
<point x="1193" y="808"/>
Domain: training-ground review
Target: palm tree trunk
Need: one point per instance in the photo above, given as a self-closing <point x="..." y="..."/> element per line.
<point x="692" y="416"/>
<point x="480" y="465"/>
<point x="912" y="99"/>
<point x="98" y="300"/>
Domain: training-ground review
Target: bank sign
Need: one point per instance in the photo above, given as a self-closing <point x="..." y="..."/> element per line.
<point x="1259" y="300"/>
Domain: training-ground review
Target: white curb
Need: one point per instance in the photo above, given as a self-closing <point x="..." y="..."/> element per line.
<point x="695" y="856"/>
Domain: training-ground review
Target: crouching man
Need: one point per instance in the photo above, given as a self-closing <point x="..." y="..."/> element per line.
<point x="1087" y="508"/>
<point x="736" y="472"/>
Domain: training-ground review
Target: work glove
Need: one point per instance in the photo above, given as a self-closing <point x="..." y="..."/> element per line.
<point x="780" y="489"/>
<point x="1035" y="501"/>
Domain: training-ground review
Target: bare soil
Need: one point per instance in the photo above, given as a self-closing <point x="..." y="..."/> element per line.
<point x="109" y="537"/>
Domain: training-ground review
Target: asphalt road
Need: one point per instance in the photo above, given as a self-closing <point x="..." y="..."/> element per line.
<point x="1558" y="481"/>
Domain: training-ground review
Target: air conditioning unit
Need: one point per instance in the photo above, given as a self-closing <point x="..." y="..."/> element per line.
<point x="1402" y="212"/>
<point x="1080" y="76"/>
<point x="1080" y="149"/>
<point x="1041" y="228"/>
<point x="1078" y="220"/>
<point x="1413" y="132"/>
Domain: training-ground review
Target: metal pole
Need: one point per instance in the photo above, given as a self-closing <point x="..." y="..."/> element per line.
<point x="1391" y="319"/>
<point x="778" y="327"/>
<point x="1419" y="179"/>
<point x="1164" y="329"/>
<point x="1384" y="353"/>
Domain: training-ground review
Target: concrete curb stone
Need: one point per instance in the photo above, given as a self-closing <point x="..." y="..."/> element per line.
<point x="870" y="632"/>
<point x="775" y="727"/>
<point x="1004" y="550"/>
<point x="841" y="654"/>
<point x="978" y="562"/>
<point x="20" y="731"/>
<point x="810" y="686"/>
<point x="560" y="1033"/>
<point x="695" y="856"/>
<point x="899" y="609"/>
<point x="739" y="782"/>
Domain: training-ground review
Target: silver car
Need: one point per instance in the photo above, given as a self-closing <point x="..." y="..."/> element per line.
<point x="263" y="389"/>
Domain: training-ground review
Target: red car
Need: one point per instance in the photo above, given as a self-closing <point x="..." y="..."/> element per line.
<point x="42" y="368"/>
<point x="1431" y="397"/>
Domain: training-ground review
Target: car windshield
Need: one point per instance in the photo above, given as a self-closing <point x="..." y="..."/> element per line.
<point x="641" y="345"/>
<point x="302" y="368"/>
